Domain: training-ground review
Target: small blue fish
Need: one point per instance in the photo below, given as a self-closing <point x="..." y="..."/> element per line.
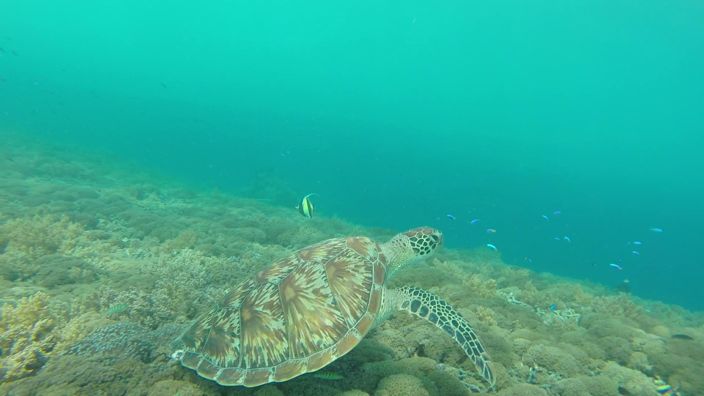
<point x="474" y="221"/>
<point x="491" y="230"/>
<point x="567" y="238"/>
<point x="553" y="307"/>
<point x="557" y="238"/>
<point x="637" y="243"/>
<point x="451" y="217"/>
<point x="545" y="217"/>
<point x="655" y="229"/>
<point x="491" y="246"/>
<point x="557" y="213"/>
<point x="635" y="252"/>
<point x="614" y="265"/>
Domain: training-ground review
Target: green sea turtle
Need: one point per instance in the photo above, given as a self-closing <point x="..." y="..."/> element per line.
<point x="312" y="307"/>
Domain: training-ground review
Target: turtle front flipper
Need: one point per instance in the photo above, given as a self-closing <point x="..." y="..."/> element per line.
<point x="435" y="310"/>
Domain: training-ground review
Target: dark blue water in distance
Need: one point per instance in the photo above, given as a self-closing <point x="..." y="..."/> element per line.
<point x="399" y="113"/>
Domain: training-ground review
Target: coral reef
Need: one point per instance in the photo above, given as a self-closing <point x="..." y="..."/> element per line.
<point x="40" y="235"/>
<point x="171" y="387"/>
<point x="102" y="266"/>
<point x="26" y="336"/>
<point x="401" y="385"/>
<point x="523" y="390"/>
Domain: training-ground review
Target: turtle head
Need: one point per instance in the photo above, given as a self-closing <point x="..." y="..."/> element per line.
<point x="414" y="243"/>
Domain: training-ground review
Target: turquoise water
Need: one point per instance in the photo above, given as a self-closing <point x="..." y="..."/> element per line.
<point x="398" y="114"/>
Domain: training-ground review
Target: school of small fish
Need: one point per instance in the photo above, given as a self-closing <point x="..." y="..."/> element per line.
<point x="306" y="208"/>
<point x="635" y="250"/>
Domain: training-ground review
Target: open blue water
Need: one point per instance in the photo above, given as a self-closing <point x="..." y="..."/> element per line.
<point x="399" y="113"/>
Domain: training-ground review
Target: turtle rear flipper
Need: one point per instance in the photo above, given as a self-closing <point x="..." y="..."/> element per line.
<point x="438" y="312"/>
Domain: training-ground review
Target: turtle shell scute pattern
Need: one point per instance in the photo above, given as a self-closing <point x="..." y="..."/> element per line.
<point x="295" y="316"/>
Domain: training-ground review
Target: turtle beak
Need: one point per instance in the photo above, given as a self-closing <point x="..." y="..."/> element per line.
<point x="439" y="240"/>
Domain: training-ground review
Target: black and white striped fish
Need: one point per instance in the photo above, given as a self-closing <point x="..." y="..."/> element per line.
<point x="305" y="207"/>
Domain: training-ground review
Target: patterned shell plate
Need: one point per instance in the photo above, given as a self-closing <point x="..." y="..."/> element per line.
<point x="296" y="316"/>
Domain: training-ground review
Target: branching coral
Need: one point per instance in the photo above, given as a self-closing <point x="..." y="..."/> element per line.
<point x="145" y="308"/>
<point x="171" y="286"/>
<point x="485" y="288"/>
<point x="26" y="336"/>
<point x="40" y="235"/>
<point x="486" y="315"/>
